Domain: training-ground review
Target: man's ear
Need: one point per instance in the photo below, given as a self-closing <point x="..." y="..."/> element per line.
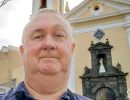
<point x="73" y="47"/>
<point x="21" y="50"/>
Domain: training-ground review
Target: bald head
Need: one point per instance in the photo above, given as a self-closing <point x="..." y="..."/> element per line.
<point x="46" y="12"/>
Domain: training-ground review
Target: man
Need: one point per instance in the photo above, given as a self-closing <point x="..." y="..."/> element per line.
<point x="46" y="50"/>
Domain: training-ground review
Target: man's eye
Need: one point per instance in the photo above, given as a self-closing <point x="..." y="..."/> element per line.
<point x="37" y="37"/>
<point x="59" y="35"/>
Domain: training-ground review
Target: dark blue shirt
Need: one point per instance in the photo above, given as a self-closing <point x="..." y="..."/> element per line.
<point x="20" y="93"/>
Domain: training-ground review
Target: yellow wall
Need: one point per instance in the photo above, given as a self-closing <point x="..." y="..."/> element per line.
<point x="107" y="10"/>
<point x="85" y="14"/>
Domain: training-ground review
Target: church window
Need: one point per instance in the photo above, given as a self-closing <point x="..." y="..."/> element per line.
<point x="43" y="4"/>
<point x="96" y="7"/>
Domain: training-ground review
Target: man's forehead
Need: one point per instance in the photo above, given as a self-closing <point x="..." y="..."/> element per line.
<point x="48" y="19"/>
<point x="46" y="15"/>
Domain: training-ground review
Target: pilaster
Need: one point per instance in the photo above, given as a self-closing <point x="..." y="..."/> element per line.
<point x="127" y="26"/>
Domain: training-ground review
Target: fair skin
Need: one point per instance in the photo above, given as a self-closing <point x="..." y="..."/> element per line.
<point x="47" y="51"/>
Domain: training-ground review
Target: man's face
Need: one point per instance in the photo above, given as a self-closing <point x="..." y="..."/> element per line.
<point x="47" y="47"/>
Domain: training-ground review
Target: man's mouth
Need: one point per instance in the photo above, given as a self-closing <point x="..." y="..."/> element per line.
<point x="48" y="59"/>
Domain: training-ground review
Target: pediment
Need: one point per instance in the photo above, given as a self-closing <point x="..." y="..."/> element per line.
<point x="91" y="8"/>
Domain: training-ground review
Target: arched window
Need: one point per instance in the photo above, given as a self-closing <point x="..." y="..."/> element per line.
<point x="43" y="4"/>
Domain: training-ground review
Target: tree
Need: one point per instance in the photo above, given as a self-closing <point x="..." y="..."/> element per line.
<point x="3" y="2"/>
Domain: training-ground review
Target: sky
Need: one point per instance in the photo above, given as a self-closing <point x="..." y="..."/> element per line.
<point x="14" y="15"/>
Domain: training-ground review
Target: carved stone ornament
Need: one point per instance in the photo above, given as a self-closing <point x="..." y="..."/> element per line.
<point x="99" y="34"/>
<point x="103" y="81"/>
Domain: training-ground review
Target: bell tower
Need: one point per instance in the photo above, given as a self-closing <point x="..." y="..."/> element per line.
<point x="101" y="57"/>
<point x="57" y="5"/>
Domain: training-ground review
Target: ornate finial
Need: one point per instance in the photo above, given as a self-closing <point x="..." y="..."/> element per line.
<point x="86" y="69"/>
<point x="67" y="7"/>
<point x="92" y="43"/>
<point x="119" y="66"/>
<point x="107" y="41"/>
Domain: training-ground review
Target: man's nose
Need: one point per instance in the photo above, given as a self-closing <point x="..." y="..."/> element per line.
<point x="48" y="43"/>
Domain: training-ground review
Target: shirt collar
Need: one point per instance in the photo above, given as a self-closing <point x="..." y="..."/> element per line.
<point x="65" y="96"/>
<point x="22" y="89"/>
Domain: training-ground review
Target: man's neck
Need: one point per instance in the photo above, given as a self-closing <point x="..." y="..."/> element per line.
<point x="47" y="88"/>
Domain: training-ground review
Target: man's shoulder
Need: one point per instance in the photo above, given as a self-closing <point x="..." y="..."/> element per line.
<point x="1" y="96"/>
<point x="10" y="95"/>
<point x="79" y="97"/>
<point x="7" y="95"/>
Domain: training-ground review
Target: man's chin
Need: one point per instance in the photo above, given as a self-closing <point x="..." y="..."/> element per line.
<point x="49" y="70"/>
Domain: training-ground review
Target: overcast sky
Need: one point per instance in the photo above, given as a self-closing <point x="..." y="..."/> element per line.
<point x="13" y="17"/>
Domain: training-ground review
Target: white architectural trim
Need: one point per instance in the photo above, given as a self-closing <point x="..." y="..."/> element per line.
<point x="128" y="34"/>
<point x="49" y="4"/>
<point x="115" y="4"/>
<point x="99" y="26"/>
<point x="123" y="1"/>
<point x="127" y="26"/>
<point x="71" y="83"/>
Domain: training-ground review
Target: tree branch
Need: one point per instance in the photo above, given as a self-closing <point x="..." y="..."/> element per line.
<point x="3" y="2"/>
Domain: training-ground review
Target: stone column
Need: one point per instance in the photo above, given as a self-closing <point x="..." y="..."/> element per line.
<point x="49" y="4"/>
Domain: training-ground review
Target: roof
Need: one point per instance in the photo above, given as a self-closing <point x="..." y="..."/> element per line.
<point x="120" y="5"/>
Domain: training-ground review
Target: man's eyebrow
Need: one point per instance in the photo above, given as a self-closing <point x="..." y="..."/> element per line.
<point x="37" y="30"/>
<point x="61" y="27"/>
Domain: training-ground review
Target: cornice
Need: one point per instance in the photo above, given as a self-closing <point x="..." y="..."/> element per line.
<point x="123" y="1"/>
<point x="100" y="26"/>
<point x="99" y="16"/>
